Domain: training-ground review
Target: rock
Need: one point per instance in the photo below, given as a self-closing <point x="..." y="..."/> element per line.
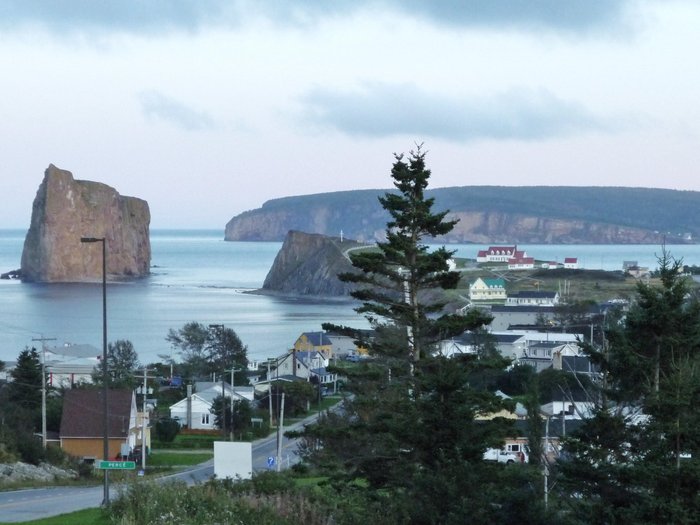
<point x="308" y="264"/>
<point x="22" y="472"/>
<point x="65" y="210"/>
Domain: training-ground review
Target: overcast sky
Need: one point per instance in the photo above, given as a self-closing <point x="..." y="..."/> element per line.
<point x="207" y="108"/>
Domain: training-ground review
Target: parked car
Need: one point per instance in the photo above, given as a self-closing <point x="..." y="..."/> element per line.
<point x="501" y="456"/>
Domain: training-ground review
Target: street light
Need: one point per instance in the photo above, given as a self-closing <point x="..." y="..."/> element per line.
<point x="105" y="377"/>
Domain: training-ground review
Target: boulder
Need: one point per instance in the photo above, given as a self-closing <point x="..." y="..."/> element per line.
<point x="64" y="211"/>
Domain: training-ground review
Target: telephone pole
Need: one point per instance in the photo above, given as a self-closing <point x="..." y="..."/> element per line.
<point x="43" y="385"/>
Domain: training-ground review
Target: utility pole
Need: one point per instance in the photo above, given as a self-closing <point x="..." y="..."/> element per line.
<point x="233" y="395"/>
<point x="144" y="416"/>
<point x="280" y="423"/>
<point x="43" y="385"/>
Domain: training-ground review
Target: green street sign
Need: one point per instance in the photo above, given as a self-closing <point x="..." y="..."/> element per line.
<point x="117" y="465"/>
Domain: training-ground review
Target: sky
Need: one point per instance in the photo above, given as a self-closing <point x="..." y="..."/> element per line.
<point x="208" y="108"/>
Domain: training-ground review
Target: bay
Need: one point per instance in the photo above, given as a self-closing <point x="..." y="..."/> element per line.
<point x="197" y="276"/>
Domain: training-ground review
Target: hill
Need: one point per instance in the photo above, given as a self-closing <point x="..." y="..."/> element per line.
<point x="492" y="214"/>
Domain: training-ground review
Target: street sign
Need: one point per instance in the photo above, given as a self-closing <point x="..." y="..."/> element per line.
<point x="117" y="465"/>
<point x="271" y="461"/>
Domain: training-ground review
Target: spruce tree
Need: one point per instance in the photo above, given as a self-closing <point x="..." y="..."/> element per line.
<point x="414" y="430"/>
<point x="638" y="459"/>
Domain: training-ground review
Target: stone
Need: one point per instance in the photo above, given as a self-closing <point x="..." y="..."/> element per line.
<point x="64" y="211"/>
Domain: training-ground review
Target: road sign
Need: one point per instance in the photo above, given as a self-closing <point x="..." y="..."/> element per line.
<point x="117" y="465"/>
<point x="271" y="461"/>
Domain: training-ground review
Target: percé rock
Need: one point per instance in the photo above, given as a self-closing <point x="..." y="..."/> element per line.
<point x="65" y="210"/>
<point x="308" y="264"/>
<point x="492" y="214"/>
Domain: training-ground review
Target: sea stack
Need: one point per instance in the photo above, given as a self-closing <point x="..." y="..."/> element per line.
<point x="64" y="211"/>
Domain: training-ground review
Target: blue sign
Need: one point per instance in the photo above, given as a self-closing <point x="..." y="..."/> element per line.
<point x="271" y="461"/>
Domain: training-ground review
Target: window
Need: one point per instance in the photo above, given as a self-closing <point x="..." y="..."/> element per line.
<point x="205" y="419"/>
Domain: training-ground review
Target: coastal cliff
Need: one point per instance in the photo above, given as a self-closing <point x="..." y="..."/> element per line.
<point x="492" y="214"/>
<point x="308" y="264"/>
<point x="65" y="210"/>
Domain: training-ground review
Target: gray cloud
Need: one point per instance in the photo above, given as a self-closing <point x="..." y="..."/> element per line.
<point x="381" y="110"/>
<point x="156" y="105"/>
<point x="154" y="16"/>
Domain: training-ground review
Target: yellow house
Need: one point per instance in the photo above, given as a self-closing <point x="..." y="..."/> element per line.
<point x="314" y="341"/>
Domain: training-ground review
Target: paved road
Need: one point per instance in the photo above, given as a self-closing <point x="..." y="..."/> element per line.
<point x="31" y="504"/>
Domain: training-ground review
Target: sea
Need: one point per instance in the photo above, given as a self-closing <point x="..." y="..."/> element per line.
<point x="197" y="276"/>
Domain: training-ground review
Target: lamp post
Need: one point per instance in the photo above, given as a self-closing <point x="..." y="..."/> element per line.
<point x="105" y="377"/>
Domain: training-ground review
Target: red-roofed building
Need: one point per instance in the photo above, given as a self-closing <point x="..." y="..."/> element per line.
<point x="521" y="263"/>
<point x="571" y="262"/>
<point x="498" y="254"/>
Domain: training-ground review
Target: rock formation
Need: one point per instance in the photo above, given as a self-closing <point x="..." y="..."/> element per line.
<point x="491" y="214"/>
<point x="308" y="264"/>
<point x="64" y="211"/>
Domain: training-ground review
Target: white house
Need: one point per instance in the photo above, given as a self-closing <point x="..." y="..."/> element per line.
<point x="521" y="263"/>
<point x="202" y="400"/>
<point x="497" y="254"/>
<point x="487" y="290"/>
<point x="533" y="298"/>
<point x="571" y="263"/>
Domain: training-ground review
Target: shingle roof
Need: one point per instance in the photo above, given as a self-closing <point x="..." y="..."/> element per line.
<point x="83" y="414"/>
<point x="317" y="338"/>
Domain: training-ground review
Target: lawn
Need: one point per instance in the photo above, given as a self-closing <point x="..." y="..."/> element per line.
<point x="81" y="517"/>
<point x="177" y="459"/>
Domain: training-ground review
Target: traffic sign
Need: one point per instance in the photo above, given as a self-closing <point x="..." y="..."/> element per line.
<point x="271" y="461"/>
<point x="117" y="465"/>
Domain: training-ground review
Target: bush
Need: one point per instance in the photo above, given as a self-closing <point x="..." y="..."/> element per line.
<point x="166" y="430"/>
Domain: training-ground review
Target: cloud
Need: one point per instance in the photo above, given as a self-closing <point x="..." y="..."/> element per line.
<point x="156" y="16"/>
<point x="156" y="105"/>
<point x="380" y="110"/>
<point x="129" y="16"/>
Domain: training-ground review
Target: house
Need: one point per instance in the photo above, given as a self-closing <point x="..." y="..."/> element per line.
<point x="533" y="298"/>
<point x="82" y="422"/>
<point x="487" y="290"/>
<point x="344" y="345"/>
<point x="571" y="263"/>
<point x="314" y="341"/>
<point x="550" y="265"/>
<point x="505" y="316"/>
<point x="310" y="366"/>
<point x="497" y="254"/>
<point x="520" y="262"/>
<point x="554" y="354"/>
<point x="201" y="400"/>
<point x="70" y="364"/>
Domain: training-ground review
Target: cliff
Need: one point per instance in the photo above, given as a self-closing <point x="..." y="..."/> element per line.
<point x="65" y="210"/>
<point x="492" y="214"/>
<point x="308" y="264"/>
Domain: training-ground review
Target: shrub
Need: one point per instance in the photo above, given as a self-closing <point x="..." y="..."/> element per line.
<point x="166" y="430"/>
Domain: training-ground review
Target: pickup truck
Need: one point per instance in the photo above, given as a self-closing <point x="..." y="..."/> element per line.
<point x="501" y="456"/>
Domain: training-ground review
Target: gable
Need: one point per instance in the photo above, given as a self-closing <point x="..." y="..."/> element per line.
<point x="83" y="413"/>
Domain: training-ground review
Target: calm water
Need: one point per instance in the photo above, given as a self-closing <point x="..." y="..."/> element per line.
<point x="196" y="277"/>
<point x="199" y="277"/>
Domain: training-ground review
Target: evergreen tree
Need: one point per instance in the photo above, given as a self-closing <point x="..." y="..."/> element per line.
<point x="25" y="388"/>
<point x="415" y="427"/>
<point x="637" y="460"/>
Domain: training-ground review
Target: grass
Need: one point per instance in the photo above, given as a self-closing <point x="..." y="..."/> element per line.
<point x="177" y="459"/>
<point x="82" y="517"/>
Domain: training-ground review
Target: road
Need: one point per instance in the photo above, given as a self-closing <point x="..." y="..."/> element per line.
<point x="31" y="504"/>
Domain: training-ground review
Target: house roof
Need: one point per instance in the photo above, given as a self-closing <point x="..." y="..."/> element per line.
<point x="570" y="259"/>
<point x="495" y="283"/>
<point x="83" y="413"/>
<point x="499" y="308"/>
<point x="523" y="294"/>
<point x="317" y="338"/>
